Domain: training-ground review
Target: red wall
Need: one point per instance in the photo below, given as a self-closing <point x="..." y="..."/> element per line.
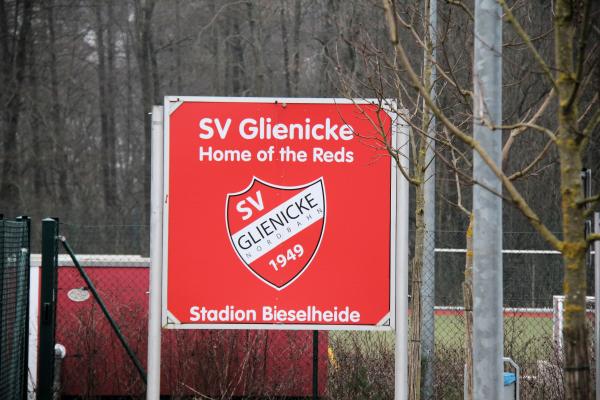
<point x="213" y="363"/>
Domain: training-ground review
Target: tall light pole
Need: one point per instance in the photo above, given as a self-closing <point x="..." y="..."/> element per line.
<point x="487" y="205"/>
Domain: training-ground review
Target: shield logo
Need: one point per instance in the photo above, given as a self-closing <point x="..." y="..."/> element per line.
<point x="276" y="230"/>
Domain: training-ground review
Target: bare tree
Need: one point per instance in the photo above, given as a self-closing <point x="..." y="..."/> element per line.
<point x="143" y="11"/>
<point x="57" y="113"/>
<point x="14" y="41"/>
<point x="573" y="133"/>
<point x="417" y="114"/>
<point x="105" y="68"/>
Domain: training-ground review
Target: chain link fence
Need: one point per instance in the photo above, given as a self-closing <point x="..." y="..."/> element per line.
<point x="14" y="295"/>
<point x="274" y="364"/>
<point x="531" y="281"/>
<point x="215" y="364"/>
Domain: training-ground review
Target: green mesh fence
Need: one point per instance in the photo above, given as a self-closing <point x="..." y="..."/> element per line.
<point x="14" y="294"/>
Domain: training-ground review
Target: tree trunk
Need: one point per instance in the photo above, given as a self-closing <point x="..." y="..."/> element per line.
<point x="105" y="140"/>
<point x="14" y="75"/>
<point x="60" y="155"/>
<point x="143" y="18"/>
<point x="286" y="54"/>
<point x="40" y="184"/>
<point x="178" y="62"/>
<point x="576" y="367"/>
<point x="414" y="330"/>
<point x="468" y="302"/>
<point x="225" y="63"/>
<point x="253" y="21"/>
<point x="416" y="315"/>
<point x="215" y="40"/>
<point x="415" y="358"/>
<point x="325" y="37"/>
<point x="569" y="142"/>
<point x="111" y="96"/>
<point x="238" y="73"/>
<point x="128" y="156"/>
<point x="296" y="65"/>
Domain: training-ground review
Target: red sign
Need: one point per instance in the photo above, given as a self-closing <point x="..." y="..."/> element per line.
<point x="278" y="212"/>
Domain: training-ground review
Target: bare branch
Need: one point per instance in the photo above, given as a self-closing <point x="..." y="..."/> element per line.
<point x="533" y="39"/>
<point x="527" y="39"/>
<point x="394" y="153"/>
<point x="390" y="14"/>
<point x="516" y="132"/>
<point x="516" y="196"/>
<point x="462" y="5"/>
<point x="589" y="128"/>
<point x="593" y="237"/>
<point x="459" y="202"/>
<point x="526" y="170"/>
<point x="581" y="45"/>
<point x="467" y="94"/>
<point x="448" y="76"/>
<point x="588" y="200"/>
<point x="588" y="108"/>
<point x="523" y="126"/>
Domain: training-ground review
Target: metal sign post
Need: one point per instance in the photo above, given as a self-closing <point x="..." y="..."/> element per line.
<point x="401" y="271"/>
<point x="154" y="307"/>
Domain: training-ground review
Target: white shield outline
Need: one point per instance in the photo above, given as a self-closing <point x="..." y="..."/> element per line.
<point x="281" y="187"/>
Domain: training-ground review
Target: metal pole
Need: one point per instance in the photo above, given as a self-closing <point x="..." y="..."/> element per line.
<point x="315" y="382"/>
<point x="401" y="273"/>
<point x="3" y="260"/>
<point x="586" y="180"/>
<point x="487" y="206"/>
<point x="60" y="352"/>
<point x="597" y="298"/>
<point x="34" y="309"/>
<point x="155" y="284"/>
<point x="428" y="276"/>
<point x="48" y="309"/>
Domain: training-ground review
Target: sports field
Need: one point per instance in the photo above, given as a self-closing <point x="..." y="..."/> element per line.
<point x="364" y="361"/>
<point x="528" y="334"/>
<point x="518" y="329"/>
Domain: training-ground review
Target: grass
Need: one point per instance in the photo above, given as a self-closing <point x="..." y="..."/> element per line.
<point x="450" y="330"/>
<point x="531" y="337"/>
<point x="362" y="363"/>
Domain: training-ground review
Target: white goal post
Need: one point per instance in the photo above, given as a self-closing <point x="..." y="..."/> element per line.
<point x="558" y="306"/>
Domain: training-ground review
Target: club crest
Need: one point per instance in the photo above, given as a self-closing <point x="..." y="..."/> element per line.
<point x="276" y="230"/>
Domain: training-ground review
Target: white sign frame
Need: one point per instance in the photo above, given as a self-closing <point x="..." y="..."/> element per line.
<point x="398" y="218"/>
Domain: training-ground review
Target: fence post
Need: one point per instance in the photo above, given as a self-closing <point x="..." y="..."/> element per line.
<point x="2" y="261"/>
<point x="48" y="308"/>
<point x="597" y="299"/>
<point x="27" y="240"/>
